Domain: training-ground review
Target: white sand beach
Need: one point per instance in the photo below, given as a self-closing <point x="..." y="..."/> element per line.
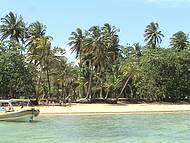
<point x="91" y="109"/>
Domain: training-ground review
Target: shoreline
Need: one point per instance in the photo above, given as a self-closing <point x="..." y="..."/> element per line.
<point x="110" y="109"/>
<point x="112" y="113"/>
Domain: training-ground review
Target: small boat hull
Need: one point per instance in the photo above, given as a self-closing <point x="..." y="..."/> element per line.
<point x="20" y="115"/>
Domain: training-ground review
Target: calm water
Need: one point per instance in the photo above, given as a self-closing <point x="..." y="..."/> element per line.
<point x="156" y="128"/>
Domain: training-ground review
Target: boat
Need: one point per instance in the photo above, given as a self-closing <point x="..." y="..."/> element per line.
<point x="18" y="112"/>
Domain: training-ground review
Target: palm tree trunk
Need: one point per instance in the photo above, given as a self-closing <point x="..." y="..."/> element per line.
<point x="39" y="81"/>
<point x="107" y="93"/>
<point x="101" y="89"/>
<point x="89" y="86"/>
<point x="80" y="67"/>
<point x="101" y="84"/>
<point x="132" y="95"/>
<point x="48" y="80"/>
<point x="124" y="86"/>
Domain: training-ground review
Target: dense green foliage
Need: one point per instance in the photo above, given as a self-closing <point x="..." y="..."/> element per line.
<point x="31" y="68"/>
<point x="165" y="75"/>
<point x="15" y="73"/>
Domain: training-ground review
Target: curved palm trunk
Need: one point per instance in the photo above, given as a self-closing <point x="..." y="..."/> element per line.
<point x="124" y="87"/>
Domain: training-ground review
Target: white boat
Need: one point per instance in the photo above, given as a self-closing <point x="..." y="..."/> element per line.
<point x="8" y="112"/>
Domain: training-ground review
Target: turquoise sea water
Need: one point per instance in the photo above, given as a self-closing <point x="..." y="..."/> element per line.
<point x="144" y="128"/>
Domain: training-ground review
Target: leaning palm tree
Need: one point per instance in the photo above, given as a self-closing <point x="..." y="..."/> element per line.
<point x="12" y="26"/>
<point x="180" y="41"/>
<point x="130" y="71"/>
<point x="153" y="37"/>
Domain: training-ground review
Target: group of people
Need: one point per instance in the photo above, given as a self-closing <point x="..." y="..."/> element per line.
<point x="6" y="108"/>
<point x="47" y="102"/>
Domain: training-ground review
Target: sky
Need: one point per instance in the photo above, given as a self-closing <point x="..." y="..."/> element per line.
<point x="130" y="16"/>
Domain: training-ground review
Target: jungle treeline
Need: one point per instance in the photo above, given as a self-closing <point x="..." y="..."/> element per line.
<point x="31" y="68"/>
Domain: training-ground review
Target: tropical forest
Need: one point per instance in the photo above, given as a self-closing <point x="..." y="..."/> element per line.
<point x="105" y="70"/>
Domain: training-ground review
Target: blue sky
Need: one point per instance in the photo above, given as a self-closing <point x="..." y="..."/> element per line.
<point x="131" y="16"/>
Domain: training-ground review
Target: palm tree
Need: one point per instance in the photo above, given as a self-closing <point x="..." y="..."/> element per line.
<point x="130" y="71"/>
<point x="101" y="52"/>
<point x="58" y="70"/>
<point x="35" y="30"/>
<point x="153" y="37"/>
<point x="13" y="27"/>
<point x="180" y="41"/>
<point x="111" y="41"/>
<point x="76" y="41"/>
<point x="42" y="58"/>
<point x="137" y="49"/>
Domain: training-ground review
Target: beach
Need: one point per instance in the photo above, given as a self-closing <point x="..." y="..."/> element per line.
<point x="94" y="109"/>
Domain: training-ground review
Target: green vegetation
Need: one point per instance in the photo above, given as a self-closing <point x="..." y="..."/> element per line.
<point x="31" y="68"/>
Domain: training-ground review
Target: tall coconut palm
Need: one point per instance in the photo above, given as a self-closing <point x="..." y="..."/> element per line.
<point x="180" y="41"/>
<point x="153" y="37"/>
<point x="97" y="46"/>
<point x="42" y="58"/>
<point x="12" y="26"/>
<point x="111" y="40"/>
<point x="43" y="45"/>
<point x="57" y="69"/>
<point x="112" y="48"/>
<point x="99" y="51"/>
<point x="103" y="50"/>
<point x="76" y="41"/>
<point x="35" y="30"/>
